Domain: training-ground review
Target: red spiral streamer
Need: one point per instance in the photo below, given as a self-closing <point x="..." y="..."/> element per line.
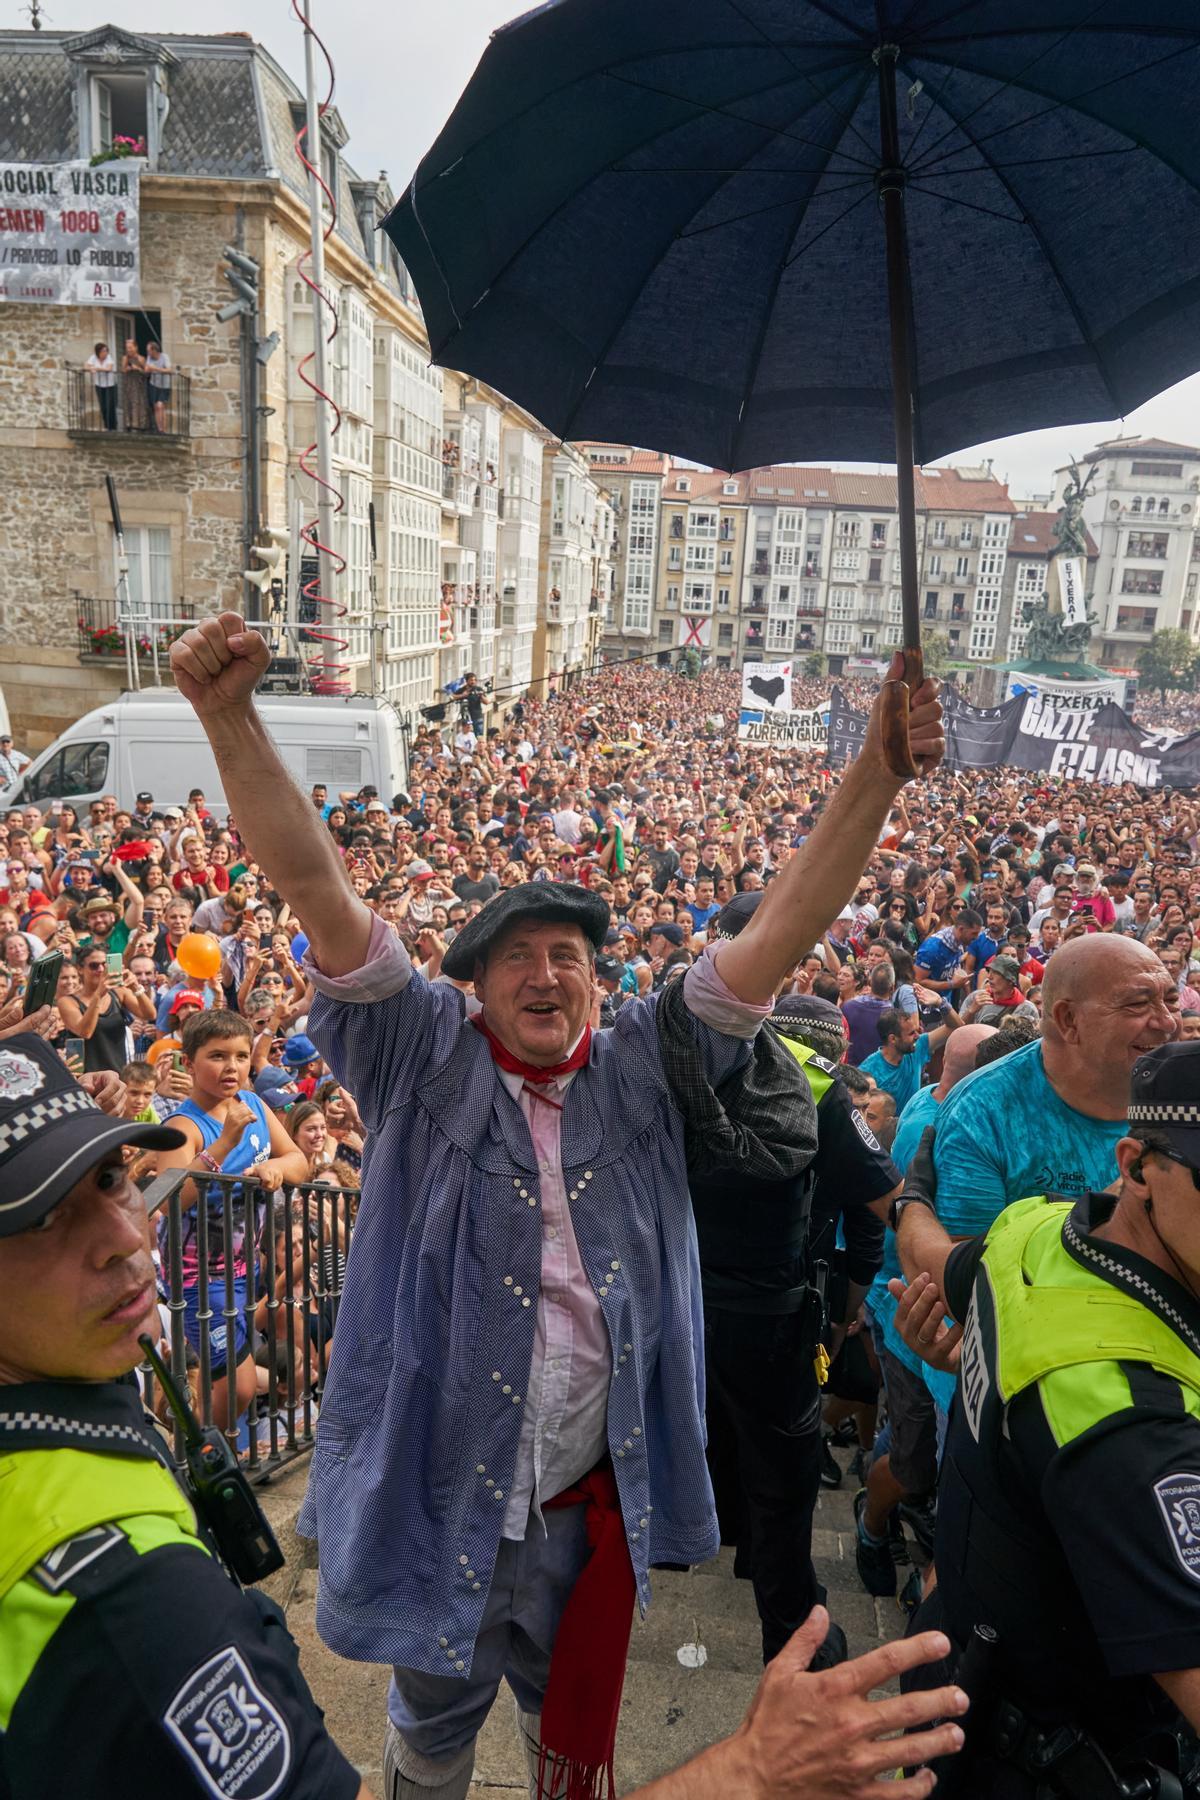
<point x="330" y="674"/>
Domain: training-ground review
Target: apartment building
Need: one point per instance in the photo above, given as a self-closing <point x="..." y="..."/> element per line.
<point x="634" y="481"/>
<point x="701" y="553"/>
<point x="574" y="567"/>
<point x="1142" y="514"/>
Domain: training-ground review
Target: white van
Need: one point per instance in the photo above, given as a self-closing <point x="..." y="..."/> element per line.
<point x="151" y="742"/>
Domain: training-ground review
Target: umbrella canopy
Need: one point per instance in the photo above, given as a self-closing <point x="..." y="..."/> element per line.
<point x="659" y="221"/>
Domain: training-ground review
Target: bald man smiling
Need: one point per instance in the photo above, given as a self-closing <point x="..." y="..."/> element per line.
<point x="1047" y="1119"/>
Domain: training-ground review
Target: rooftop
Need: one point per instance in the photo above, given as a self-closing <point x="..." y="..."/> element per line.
<point x="1133" y="446"/>
<point x="1032" y="534"/>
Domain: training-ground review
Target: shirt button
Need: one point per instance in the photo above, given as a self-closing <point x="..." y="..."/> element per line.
<point x="634" y="1536"/>
<point x="518" y="1290"/>
<point x="479" y="1469"/>
<point x="506" y="1389"/>
<point x="614" y="1265"/>
<point x="524" y="1193"/>
<point x="622" y="1359"/>
<point x="460" y="1664"/>
<point x="475" y="1587"/>
<point x="489" y="1482"/>
<point x="495" y="1374"/>
<point x="525" y="1302"/>
<point x="508" y="1281"/>
<point x="450" y="1656"/>
<point x="470" y="1574"/>
<point x="603" y="1291"/>
<point x="587" y="1174"/>
<point x="642" y="1523"/>
<point x="532" y="1200"/>
<point x="516" y="1400"/>
<point x="545" y="1168"/>
<point x="552" y="1231"/>
<point x="627" y="1346"/>
<point x="516" y="1181"/>
<point x="620" y="1453"/>
<point x="637" y="1431"/>
<point x="499" y="1494"/>
<point x="629" y="1443"/>
<point x="463" y="1561"/>
<point x="442" y="1642"/>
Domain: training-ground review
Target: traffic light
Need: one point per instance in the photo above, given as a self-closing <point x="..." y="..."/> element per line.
<point x="242" y="275"/>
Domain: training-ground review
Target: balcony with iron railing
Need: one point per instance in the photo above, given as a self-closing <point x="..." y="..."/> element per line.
<point x="132" y="408"/>
<point x="152" y="631"/>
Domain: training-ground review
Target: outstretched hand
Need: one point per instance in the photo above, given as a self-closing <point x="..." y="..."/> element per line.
<point x="820" y="1736"/>
<point x="218" y="663"/>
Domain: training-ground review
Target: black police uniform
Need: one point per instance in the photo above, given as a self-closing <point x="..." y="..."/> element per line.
<point x="761" y="1328"/>
<point x="1069" y="1513"/>
<point x="131" y="1666"/>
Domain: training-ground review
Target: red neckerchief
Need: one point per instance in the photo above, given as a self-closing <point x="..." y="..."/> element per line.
<point x="533" y="1075"/>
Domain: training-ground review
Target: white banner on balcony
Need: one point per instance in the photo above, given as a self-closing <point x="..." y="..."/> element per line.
<point x="802" y="730"/>
<point x="69" y="233"/>
<point x="1070" y="589"/>
<point x="766" y="687"/>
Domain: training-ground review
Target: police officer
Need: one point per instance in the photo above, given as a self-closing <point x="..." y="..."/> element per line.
<point x="1068" y="1531"/>
<point x="763" y="1314"/>
<point x="131" y="1666"/>
<point x="130" y="1663"/>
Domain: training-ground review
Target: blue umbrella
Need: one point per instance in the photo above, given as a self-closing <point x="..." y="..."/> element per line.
<point x="752" y="231"/>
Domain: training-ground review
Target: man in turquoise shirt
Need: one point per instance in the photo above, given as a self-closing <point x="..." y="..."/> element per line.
<point x="1047" y="1118"/>
<point x="904" y="1049"/>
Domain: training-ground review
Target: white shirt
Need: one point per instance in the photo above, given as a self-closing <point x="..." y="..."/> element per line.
<point x="104" y="373"/>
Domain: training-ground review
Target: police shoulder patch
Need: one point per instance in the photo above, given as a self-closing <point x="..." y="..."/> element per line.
<point x="235" y="1738"/>
<point x="60" y="1566"/>
<point x="1178" y="1499"/>
<point x="864" y="1130"/>
<point x="823" y="1063"/>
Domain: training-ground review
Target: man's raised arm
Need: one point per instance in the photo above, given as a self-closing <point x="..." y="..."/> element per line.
<point x="217" y="665"/>
<point x="805" y="899"/>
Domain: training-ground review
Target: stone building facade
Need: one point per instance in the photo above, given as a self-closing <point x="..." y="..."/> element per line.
<point x="219" y="117"/>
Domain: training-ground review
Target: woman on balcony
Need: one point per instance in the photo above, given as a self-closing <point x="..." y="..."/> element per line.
<point x="104" y="379"/>
<point x="133" y="388"/>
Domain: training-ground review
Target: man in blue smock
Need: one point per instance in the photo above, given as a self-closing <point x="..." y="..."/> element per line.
<point x="512" y="1431"/>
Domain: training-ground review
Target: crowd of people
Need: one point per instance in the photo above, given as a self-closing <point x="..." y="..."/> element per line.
<point x="1006" y="948"/>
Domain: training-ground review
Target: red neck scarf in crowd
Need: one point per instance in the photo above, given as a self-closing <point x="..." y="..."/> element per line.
<point x="531" y="1073"/>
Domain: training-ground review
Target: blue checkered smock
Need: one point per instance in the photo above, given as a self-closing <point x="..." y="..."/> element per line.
<point x="414" y="1423"/>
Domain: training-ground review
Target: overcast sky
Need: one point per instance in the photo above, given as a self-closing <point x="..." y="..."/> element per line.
<point x="399" y="71"/>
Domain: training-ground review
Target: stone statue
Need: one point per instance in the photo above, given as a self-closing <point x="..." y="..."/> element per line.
<point x="1069" y="531"/>
<point x="1050" y="638"/>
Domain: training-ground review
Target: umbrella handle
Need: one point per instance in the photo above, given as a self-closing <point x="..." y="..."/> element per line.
<point x="896" y="699"/>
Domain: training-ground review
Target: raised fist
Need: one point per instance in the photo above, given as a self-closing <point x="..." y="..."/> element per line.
<point x="218" y="663"/>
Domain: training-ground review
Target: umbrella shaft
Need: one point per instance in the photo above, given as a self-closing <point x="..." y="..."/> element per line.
<point x="891" y="194"/>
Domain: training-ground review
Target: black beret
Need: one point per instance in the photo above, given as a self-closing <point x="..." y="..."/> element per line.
<point x="564" y="902"/>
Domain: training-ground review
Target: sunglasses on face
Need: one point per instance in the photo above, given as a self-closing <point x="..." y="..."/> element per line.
<point x="1174" y="1156"/>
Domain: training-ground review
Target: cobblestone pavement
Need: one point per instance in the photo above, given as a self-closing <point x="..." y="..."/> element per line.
<point x="671" y="1708"/>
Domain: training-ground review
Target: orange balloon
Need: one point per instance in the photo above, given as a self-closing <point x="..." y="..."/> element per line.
<point x="199" y="956"/>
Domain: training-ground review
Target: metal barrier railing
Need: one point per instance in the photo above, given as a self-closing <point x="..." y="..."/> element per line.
<point x="264" y="1270"/>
